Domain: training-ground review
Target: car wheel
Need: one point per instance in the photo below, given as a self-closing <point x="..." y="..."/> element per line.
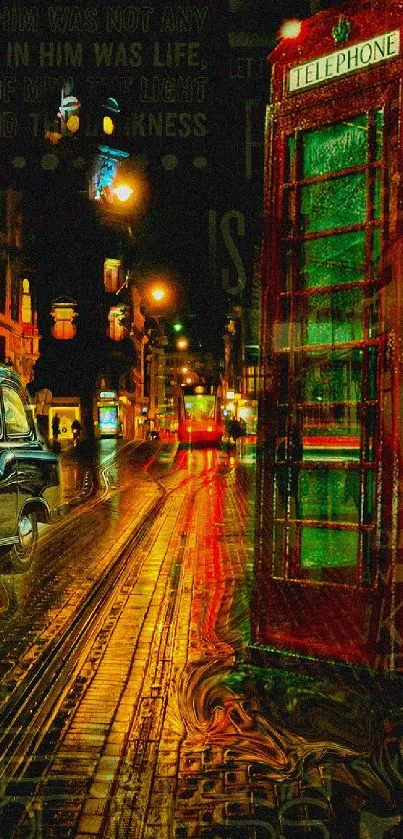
<point x="22" y="554"/>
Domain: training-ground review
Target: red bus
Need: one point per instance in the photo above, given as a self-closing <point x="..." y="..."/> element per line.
<point x="199" y="422"/>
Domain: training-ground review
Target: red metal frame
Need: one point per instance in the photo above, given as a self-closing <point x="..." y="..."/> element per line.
<point x="356" y="619"/>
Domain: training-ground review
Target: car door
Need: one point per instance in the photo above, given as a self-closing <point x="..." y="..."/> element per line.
<point x="8" y="489"/>
<point x="37" y="469"/>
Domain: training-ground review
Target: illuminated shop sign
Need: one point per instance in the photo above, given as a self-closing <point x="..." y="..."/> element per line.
<point x="108" y="419"/>
<point x="355" y="57"/>
<point x="107" y="394"/>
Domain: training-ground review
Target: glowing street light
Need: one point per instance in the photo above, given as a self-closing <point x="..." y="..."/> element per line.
<point x="119" y="186"/>
<point x="123" y="192"/>
<point x="290" y="28"/>
<point x="108" y="125"/>
<point x="112" y="109"/>
<point x="158" y="293"/>
<point x="182" y="344"/>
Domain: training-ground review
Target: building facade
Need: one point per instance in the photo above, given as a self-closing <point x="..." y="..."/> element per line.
<point x="19" y="336"/>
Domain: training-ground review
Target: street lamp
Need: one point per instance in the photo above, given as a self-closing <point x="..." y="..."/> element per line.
<point x="155" y="364"/>
<point x="122" y="192"/>
<point x="158" y="293"/>
<point x="290" y="28"/>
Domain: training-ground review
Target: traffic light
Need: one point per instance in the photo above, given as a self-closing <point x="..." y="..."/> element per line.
<point x="110" y="115"/>
<point x="67" y="121"/>
<point x="69" y="115"/>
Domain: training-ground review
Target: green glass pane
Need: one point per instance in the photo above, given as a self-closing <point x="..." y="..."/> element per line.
<point x="329" y="377"/>
<point x="334" y="317"/>
<point x="379" y="119"/>
<point x="322" y="548"/>
<point x="335" y="147"/>
<point x="339" y="202"/>
<point x="329" y="495"/>
<point x="333" y="260"/>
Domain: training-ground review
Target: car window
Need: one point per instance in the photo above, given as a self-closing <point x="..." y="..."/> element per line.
<point x="15" y="414"/>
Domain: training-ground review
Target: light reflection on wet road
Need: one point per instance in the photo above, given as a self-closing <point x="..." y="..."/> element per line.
<point x="242" y="751"/>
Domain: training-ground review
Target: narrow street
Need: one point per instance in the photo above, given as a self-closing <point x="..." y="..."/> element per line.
<point x="131" y="704"/>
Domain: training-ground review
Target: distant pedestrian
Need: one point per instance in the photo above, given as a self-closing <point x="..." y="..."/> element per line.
<point x="76" y="429"/>
<point x="56" y="432"/>
<point x="242" y="427"/>
<point x="236" y="429"/>
<point x="55" y="427"/>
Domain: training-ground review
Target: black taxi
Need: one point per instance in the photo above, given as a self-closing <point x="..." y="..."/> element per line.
<point x="29" y="474"/>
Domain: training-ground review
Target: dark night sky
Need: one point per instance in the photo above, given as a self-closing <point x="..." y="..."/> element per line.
<point x="205" y="181"/>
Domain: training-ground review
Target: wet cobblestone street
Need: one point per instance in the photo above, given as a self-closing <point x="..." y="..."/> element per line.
<point x="168" y="727"/>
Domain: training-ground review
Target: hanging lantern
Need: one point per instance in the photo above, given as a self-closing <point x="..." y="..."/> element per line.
<point x="64" y="312"/>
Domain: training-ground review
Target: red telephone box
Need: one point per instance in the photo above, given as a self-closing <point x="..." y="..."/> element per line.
<point x="329" y="562"/>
